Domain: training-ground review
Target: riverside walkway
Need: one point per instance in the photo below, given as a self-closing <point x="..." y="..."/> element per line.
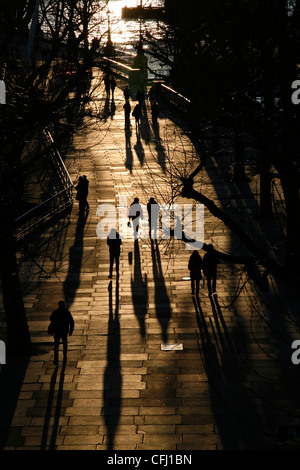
<point x="150" y="367"/>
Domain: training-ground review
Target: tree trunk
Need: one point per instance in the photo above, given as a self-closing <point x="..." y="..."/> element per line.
<point x="18" y="337"/>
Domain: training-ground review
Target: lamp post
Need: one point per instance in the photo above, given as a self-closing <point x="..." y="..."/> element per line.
<point x="109" y="48"/>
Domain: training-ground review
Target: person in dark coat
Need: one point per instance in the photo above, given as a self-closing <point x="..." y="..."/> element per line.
<point x="127" y="110"/>
<point x="112" y="86"/>
<point x="62" y="326"/>
<point x="155" y="112"/>
<point x="82" y="189"/>
<point x="135" y="214"/>
<point x="195" y="267"/>
<point x="114" y="242"/>
<point x="126" y="93"/>
<point x="210" y="262"/>
<point x="153" y="214"/>
<point x="136" y="113"/>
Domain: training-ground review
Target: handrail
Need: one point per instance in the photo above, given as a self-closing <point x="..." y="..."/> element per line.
<point x="41" y="213"/>
<point x="174" y="98"/>
<point x="121" y="65"/>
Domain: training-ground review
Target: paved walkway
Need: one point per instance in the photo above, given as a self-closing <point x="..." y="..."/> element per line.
<point x="231" y="386"/>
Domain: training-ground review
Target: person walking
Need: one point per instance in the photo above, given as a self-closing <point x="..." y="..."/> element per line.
<point x="62" y="325"/>
<point x="210" y="262"/>
<point x="126" y="93"/>
<point x="153" y="214"/>
<point x="114" y="242"/>
<point x="136" y="113"/>
<point x="135" y="214"/>
<point x="127" y="110"/>
<point x="82" y="189"/>
<point x="155" y="112"/>
<point x="195" y="267"/>
<point x="112" y="86"/>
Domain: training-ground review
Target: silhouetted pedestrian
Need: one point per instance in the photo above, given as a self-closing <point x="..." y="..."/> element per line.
<point x="140" y="96"/>
<point x="127" y="110"/>
<point x="136" y="113"/>
<point x="114" y="242"/>
<point x="112" y="85"/>
<point x="153" y="214"/>
<point x="210" y="262"/>
<point x="135" y="214"/>
<point x="155" y="112"/>
<point x="126" y="93"/>
<point x="82" y="189"/>
<point x="195" y="267"/>
<point x="151" y="95"/>
<point x="63" y="325"/>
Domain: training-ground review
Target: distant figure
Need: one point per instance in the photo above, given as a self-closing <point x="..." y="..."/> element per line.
<point x="135" y="214"/>
<point x="63" y="325"/>
<point x="112" y="85"/>
<point x="114" y="242"/>
<point x="107" y="85"/>
<point x="195" y="267"/>
<point x="140" y="96"/>
<point x="210" y="262"/>
<point x="155" y="112"/>
<point x="82" y="189"/>
<point x="127" y="110"/>
<point x="136" y="113"/>
<point x="153" y="214"/>
<point x="151" y="95"/>
<point x="126" y="93"/>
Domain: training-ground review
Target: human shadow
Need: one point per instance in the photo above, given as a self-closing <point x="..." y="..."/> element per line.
<point x="72" y="280"/>
<point x="161" y="156"/>
<point x="106" y="110"/>
<point x="50" y="409"/>
<point x="162" y="301"/>
<point x="112" y="394"/>
<point x="139" y="290"/>
<point x="129" y="156"/>
<point x="231" y="401"/>
<point x="139" y="149"/>
<point x="112" y="111"/>
<point x="145" y="127"/>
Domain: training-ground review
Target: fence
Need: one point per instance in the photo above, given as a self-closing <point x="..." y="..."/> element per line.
<point x="55" y="204"/>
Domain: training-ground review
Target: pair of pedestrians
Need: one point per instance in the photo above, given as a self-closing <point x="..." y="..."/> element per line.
<point x="208" y="266"/>
<point x="110" y="85"/>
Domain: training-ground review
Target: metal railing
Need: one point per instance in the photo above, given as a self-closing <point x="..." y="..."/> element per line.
<point x="175" y="99"/>
<point x="53" y="205"/>
<point x="121" y="69"/>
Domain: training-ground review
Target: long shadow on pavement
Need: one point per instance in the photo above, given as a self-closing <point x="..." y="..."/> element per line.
<point x="112" y="376"/>
<point x="162" y="301"/>
<point x="139" y="290"/>
<point x="49" y="408"/>
<point x="231" y="400"/>
<point x="129" y="156"/>
<point x="72" y="281"/>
